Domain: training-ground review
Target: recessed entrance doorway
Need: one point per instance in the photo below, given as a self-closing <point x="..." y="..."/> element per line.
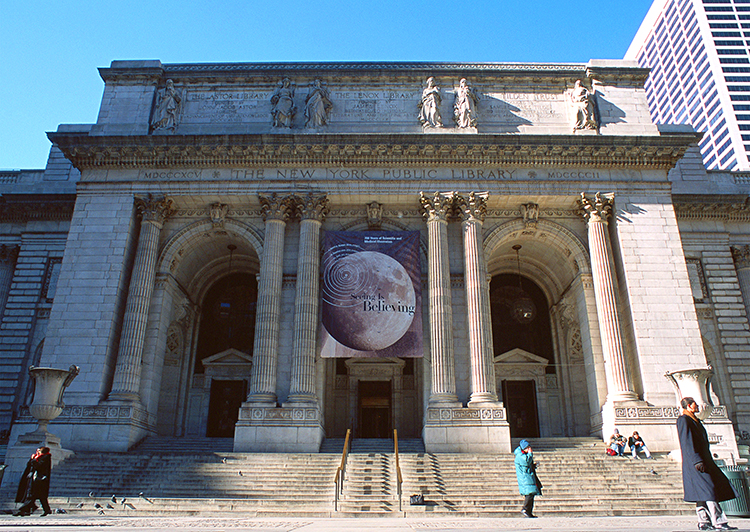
<point x="375" y="409"/>
<point x="224" y="407"/>
<point x="519" y="398"/>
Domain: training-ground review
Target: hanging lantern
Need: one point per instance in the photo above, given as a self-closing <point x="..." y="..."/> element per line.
<point x="523" y="309"/>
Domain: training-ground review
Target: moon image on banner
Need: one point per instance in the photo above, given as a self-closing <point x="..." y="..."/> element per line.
<point x="368" y="300"/>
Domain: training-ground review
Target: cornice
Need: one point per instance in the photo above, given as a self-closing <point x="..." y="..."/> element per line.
<point x="162" y="151"/>
<point x="151" y="69"/>
<point x="731" y="207"/>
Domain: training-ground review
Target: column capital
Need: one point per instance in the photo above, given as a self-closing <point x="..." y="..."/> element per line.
<point x="437" y="207"/>
<point x="312" y="206"/>
<point x="741" y="256"/>
<point x="473" y="208"/>
<point x="276" y="207"/>
<point x="152" y="209"/>
<point x="597" y="210"/>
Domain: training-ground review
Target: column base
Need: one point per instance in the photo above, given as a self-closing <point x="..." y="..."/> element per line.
<point x="267" y="399"/>
<point x="271" y="429"/>
<point x="467" y="430"/>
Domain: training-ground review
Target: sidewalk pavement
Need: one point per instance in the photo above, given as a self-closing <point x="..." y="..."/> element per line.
<point x="66" y="523"/>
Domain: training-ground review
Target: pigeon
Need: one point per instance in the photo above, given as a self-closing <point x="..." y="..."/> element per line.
<point x="122" y="501"/>
<point x="60" y="511"/>
<point x="101" y="512"/>
<point x="114" y="499"/>
<point x="91" y="494"/>
<point x="224" y="460"/>
<point x="653" y="472"/>
<point x="142" y="496"/>
<point x="110" y="506"/>
<point x="79" y="505"/>
<point x="97" y="505"/>
<point x="240" y="473"/>
<point x="128" y="505"/>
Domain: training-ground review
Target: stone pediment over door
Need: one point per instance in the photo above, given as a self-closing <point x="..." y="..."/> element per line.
<point x="375" y="368"/>
<point x="229" y="364"/>
<point x="520" y="364"/>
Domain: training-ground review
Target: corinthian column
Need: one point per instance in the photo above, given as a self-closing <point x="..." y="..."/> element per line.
<point x="443" y="385"/>
<point x="312" y="210"/>
<point x="276" y="211"/>
<point x="619" y="382"/>
<point x="483" y="386"/>
<point x="127" y="379"/>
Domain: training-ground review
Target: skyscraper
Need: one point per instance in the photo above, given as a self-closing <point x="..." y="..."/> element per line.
<point x="698" y="53"/>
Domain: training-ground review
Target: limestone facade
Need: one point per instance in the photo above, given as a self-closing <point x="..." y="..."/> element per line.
<point x="188" y="274"/>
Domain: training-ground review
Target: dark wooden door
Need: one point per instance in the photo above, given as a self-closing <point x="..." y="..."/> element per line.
<point x="519" y="398"/>
<point x="375" y="409"/>
<point x="224" y="407"/>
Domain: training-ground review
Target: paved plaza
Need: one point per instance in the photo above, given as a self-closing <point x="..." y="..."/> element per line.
<point x="591" y="524"/>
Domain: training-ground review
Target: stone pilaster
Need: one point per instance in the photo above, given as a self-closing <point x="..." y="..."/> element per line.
<point x="127" y="379"/>
<point x="276" y="211"/>
<point x="312" y="210"/>
<point x="596" y="213"/>
<point x="473" y="209"/>
<point x="741" y="256"/>
<point x="443" y="384"/>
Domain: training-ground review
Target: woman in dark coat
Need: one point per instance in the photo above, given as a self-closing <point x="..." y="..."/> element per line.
<point x="35" y="483"/>
<point x="702" y="480"/>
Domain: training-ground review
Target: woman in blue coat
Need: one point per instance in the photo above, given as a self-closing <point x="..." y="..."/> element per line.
<point x="702" y="480"/>
<point x="528" y="483"/>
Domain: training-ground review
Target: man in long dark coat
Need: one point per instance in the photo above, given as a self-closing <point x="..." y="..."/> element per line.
<point x="35" y="483"/>
<point x="702" y="480"/>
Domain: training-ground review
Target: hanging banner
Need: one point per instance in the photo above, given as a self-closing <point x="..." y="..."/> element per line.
<point x="371" y="297"/>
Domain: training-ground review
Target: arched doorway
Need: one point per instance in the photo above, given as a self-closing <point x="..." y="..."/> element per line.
<point x="223" y="355"/>
<point x="523" y="350"/>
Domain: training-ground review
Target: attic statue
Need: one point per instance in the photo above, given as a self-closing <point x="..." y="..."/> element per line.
<point x="317" y="105"/>
<point x="283" y="109"/>
<point x="583" y="107"/>
<point x="465" y="106"/>
<point x="168" y="108"/>
<point x="429" y="105"/>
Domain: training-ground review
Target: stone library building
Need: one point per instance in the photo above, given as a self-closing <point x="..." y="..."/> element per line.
<point x="468" y="253"/>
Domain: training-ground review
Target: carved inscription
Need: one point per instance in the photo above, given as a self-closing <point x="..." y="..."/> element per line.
<point x="376" y="106"/>
<point x="214" y="106"/>
<point x="523" y="108"/>
<point x="396" y="173"/>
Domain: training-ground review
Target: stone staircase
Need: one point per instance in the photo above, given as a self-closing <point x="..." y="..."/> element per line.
<point x="201" y="476"/>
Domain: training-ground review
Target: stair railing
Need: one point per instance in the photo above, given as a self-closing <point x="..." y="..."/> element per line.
<point x="341" y="470"/>
<point x="399" y="478"/>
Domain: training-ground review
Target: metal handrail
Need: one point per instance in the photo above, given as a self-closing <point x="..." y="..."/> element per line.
<point x="399" y="478"/>
<point x="341" y="470"/>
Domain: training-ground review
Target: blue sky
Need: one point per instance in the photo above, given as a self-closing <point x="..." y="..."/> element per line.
<point x="50" y="51"/>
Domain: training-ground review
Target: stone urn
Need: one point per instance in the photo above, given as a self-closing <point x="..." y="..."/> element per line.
<point x="694" y="383"/>
<point x="49" y="386"/>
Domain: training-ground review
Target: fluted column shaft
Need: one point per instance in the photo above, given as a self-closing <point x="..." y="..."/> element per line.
<point x="483" y="387"/>
<point x="312" y="210"/>
<point x="276" y="211"/>
<point x="443" y="385"/>
<point x="127" y="378"/>
<point x="596" y="212"/>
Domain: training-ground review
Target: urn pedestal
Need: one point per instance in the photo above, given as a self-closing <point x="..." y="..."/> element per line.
<point x="696" y="383"/>
<point x="49" y="386"/>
